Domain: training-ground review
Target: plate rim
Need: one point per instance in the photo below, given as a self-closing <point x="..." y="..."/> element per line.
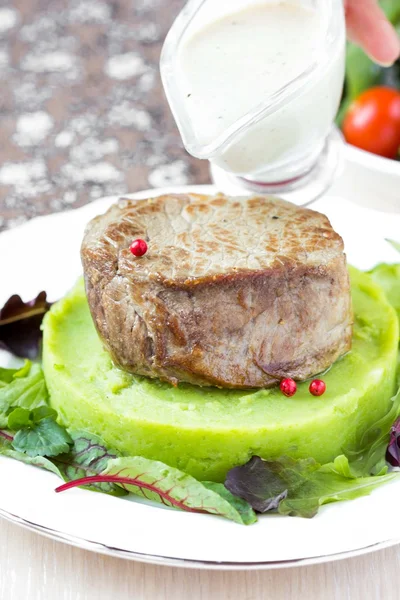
<point x="183" y="563"/>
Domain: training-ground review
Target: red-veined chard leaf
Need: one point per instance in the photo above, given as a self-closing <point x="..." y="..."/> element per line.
<point x="157" y="481"/>
<point x="20" y="323"/>
<point x="88" y="456"/>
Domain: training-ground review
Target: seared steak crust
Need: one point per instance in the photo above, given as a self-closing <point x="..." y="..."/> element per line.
<point x="233" y="292"/>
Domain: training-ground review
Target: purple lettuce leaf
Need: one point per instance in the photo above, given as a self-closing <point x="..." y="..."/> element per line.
<point x="20" y="323"/>
<point x="393" y="449"/>
<point x="259" y="483"/>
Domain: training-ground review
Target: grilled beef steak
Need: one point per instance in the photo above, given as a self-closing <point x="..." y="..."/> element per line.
<point x="233" y="292"/>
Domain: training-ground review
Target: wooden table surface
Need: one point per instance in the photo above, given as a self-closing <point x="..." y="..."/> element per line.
<point x="34" y="567"/>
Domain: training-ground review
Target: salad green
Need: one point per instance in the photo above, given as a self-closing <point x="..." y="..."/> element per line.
<point x="44" y="438"/>
<point x="302" y="486"/>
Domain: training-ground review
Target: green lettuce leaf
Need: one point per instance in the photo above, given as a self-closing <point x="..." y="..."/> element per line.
<point x="244" y="509"/>
<point x="304" y="484"/>
<point x="19" y="418"/>
<point x="388" y="277"/>
<point x="369" y="459"/>
<point x="47" y="438"/>
<point x="6" y="449"/>
<point x="27" y="389"/>
<point x="22" y="417"/>
<point x="24" y="409"/>
<point x="327" y="485"/>
<point x="7" y="375"/>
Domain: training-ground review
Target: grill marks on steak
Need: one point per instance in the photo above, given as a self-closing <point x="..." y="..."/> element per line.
<point x="232" y="292"/>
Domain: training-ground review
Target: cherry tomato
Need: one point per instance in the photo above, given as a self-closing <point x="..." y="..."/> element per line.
<point x="372" y="122"/>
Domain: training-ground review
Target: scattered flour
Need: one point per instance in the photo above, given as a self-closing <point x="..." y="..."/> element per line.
<point x="29" y="96"/>
<point x="92" y="149"/>
<point x="125" y="66"/>
<point x="96" y="191"/>
<point x="11" y="223"/>
<point x="83" y="125"/>
<point x="33" y="128"/>
<point x="70" y="197"/>
<point x="28" y="179"/>
<point x="126" y="115"/>
<point x="64" y="139"/>
<point x="48" y="62"/>
<point x="172" y="174"/>
<point x="55" y="204"/>
<point x="146" y="82"/>
<point x="38" y="29"/>
<point x="4" y="59"/>
<point x="8" y="19"/>
<point x="148" y="33"/>
<point x="101" y="172"/>
<point x="90" y="11"/>
<point x="22" y="173"/>
<point x="143" y="6"/>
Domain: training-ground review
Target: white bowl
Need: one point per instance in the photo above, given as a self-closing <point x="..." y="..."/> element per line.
<point x="369" y="180"/>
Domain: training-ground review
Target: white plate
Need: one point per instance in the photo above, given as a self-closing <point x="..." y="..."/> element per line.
<point x="44" y="254"/>
<point x="369" y="180"/>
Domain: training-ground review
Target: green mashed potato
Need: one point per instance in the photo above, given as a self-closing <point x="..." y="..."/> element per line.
<point x="206" y="431"/>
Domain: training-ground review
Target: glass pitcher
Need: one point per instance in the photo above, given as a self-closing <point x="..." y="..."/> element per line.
<point x="280" y="138"/>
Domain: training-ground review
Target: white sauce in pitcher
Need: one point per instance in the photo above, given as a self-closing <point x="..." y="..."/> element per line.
<point x="228" y="67"/>
<point x="231" y="65"/>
